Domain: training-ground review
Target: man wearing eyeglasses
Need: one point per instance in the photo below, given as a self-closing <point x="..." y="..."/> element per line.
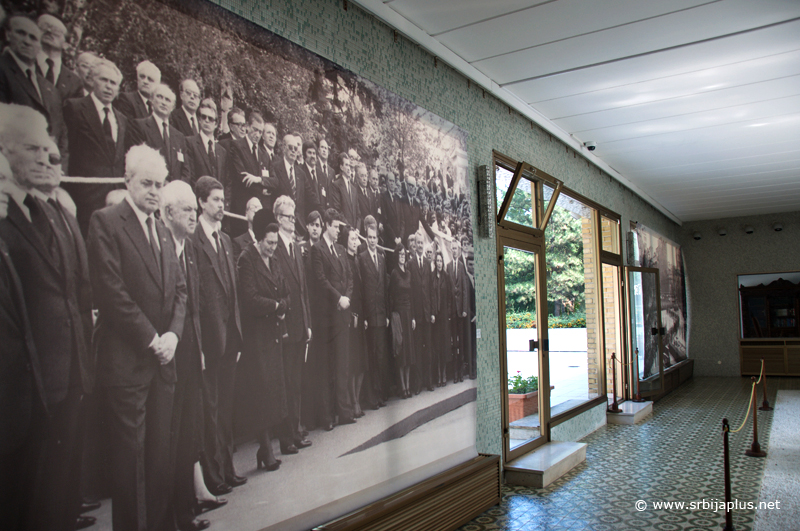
<point x="247" y="165"/>
<point x="288" y="178"/>
<point x="207" y="156"/>
<point x="185" y="119"/>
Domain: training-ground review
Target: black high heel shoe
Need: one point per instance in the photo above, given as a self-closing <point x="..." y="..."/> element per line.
<point x="263" y="460"/>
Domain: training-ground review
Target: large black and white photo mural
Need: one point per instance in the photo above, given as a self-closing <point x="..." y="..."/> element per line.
<point x="237" y="279"/>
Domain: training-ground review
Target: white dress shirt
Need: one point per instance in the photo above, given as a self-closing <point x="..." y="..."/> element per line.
<point x="112" y="119"/>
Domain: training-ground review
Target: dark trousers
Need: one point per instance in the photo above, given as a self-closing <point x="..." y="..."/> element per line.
<point x="293" y="361"/>
<point x="422" y="348"/>
<point x="187" y="423"/>
<point x="339" y="344"/>
<point x="316" y="407"/>
<point x="141" y="482"/>
<point x="378" y="362"/>
<point x="40" y="479"/>
<point x="462" y="329"/>
<point x="220" y="387"/>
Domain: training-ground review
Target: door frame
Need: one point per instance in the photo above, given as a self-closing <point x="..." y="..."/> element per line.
<point x="633" y="373"/>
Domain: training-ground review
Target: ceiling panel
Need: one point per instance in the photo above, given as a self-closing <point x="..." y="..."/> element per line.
<point x="439" y="16"/>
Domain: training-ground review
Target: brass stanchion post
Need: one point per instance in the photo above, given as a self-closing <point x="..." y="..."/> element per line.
<point x="755" y="448"/>
<point x="765" y="404"/>
<point x="638" y="396"/>
<point x="728" y="514"/>
<point x="614" y="406"/>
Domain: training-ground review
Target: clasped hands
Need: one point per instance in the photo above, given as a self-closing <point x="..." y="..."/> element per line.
<point x="164" y="347"/>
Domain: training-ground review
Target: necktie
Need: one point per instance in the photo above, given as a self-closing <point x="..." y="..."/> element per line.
<point x="291" y="251"/>
<point x="293" y="182"/>
<point x="333" y="251"/>
<point x="313" y="173"/>
<point x="194" y="125"/>
<point x="220" y="252"/>
<point x="40" y="221"/>
<point x="183" y="263"/>
<point x="33" y="82"/>
<point x="375" y="259"/>
<point x="149" y="108"/>
<point x="62" y="222"/>
<point x="212" y="158"/>
<point x="255" y="152"/>
<point x="153" y="243"/>
<point x="165" y="129"/>
<point x="51" y="71"/>
<point x="107" y="131"/>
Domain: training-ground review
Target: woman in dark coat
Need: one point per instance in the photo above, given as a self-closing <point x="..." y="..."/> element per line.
<point x="401" y="322"/>
<point x="358" y="346"/>
<point x="310" y="399"/>
<point x="441" y="301"/>
<point x="264" y="297"/>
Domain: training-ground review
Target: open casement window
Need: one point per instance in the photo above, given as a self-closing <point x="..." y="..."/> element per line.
<point x="526" y="197"/>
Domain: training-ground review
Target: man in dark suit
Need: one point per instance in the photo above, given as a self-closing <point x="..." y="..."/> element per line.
<point x="472" y="350"/>
<point x="391" y="218"/>
<point x="83" y="67"/>
<point x="288" y="178"/>
<point x="222" y="334"/>
<point x="50" y="257"/>
<point x="246" y="238"/>
<point x="366" y="200"/>
<point x="179" y="214"/>
<point x="206" y="156"/>
<point x="49" y="60"/>
<point x="319" y="183"/>
<point x="457" y="272"/>
<point x="325" y="173"/>
<point x="334" y="287"/>
<point x="421" y="286"/>
<point x="156" y="132"/>
<point x="372" y="263"/>
<point x="21" y="83"/>
<point x="237" y="125"/>
<point x="136" y="104"/>
<point x="248" y="166"/>
<point x="97" y="136"/>
<point x="185" y="118"/>
<point x="298" y="322"/>
<point x="344" y="196"/>
<point x="140" y="291"/>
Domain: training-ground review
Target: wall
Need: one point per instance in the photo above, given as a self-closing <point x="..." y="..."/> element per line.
<point x="361" y="43"/>
<point x="712" y="264"/>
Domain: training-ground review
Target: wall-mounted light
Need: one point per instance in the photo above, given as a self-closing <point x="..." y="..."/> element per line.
<point x="748" y="229"/>
<point x="722" y="232"/>
<point x="697" y="235"/>
<point x="777" y="227"/>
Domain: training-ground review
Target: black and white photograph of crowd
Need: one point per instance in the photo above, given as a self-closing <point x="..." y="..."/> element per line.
<point x="235" y="278"/>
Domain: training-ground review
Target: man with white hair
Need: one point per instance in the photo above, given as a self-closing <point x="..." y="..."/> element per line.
<point x="156" y="132"/>
<point x="54" y="37"/>
<point x="53" y="273"/>
<point x="140" y="293"/>
<point x="247" y="238"/>
<point x="185" y="119"/>
<point x="136" y="104"/>
<point x="179" y="214"/>
<point x="97" y="137"/>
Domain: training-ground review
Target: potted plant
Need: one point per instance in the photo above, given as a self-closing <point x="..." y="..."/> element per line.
<point x="523" y="396"/>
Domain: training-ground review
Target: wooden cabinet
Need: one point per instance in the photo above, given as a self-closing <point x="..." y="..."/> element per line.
<point x="770" y="311"/>
<point x="781" y="357"/>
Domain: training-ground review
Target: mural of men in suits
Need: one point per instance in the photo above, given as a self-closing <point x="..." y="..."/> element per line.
<point x="156" y="132"/>
<point x="136" y="104"/>
<point x="140" y="293"/>
<point x="54" y="33"/>
<point x="298" y="322"/>
<point x="97" y="134"/>
<point x="334" y="286"/>
<point x="50" y="258"/>
<point x="222" y="334"/>
<point x="21" y="83"/>
<point x="185" y="118"/>
<point x="288" y="178"/>
<point x="206" y="155"/>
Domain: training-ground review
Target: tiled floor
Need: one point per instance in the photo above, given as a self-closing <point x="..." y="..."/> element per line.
<point x="675" y="455"/>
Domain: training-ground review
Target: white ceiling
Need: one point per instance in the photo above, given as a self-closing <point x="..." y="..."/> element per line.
<point x="695" y="104"/>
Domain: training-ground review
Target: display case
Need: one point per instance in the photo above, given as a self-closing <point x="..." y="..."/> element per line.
<point x="770" y="311"/>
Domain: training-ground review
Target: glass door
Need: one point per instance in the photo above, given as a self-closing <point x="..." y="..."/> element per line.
<point x="613" y="337"/>
<point x="645" y="331"/>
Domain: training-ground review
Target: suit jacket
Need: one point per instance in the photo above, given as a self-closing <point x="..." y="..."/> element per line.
<point x="367" y="204"/>
<point x="457" y="272"/>
<point x="21" y="377"/>
<point x="135" y="300"/>
<point x="322" y="184"/>
<point x="305" y="199"/>
<point x="146" y="131"/>
<point x="240" y="160"/>
<point x="179" y="121"/>
<point x="68" y="84"/>
<point x="374" y="293"/>
<point x="346" y="204"/>
<point x="131" y="105"/>
<point x="218" y="304"/>
<point x="57" y="295"/>
<point x="200" y="161"/>
<point x="392" y="219"/>
<point x="333" y="280"/>
<point x="421" y="285"/>
<point x="298" y="318"/>
<point x="92" y="155"/>
<point x="15" y="87"/>
<point x="185" y="355"/>
<point x="241" y="242"/>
